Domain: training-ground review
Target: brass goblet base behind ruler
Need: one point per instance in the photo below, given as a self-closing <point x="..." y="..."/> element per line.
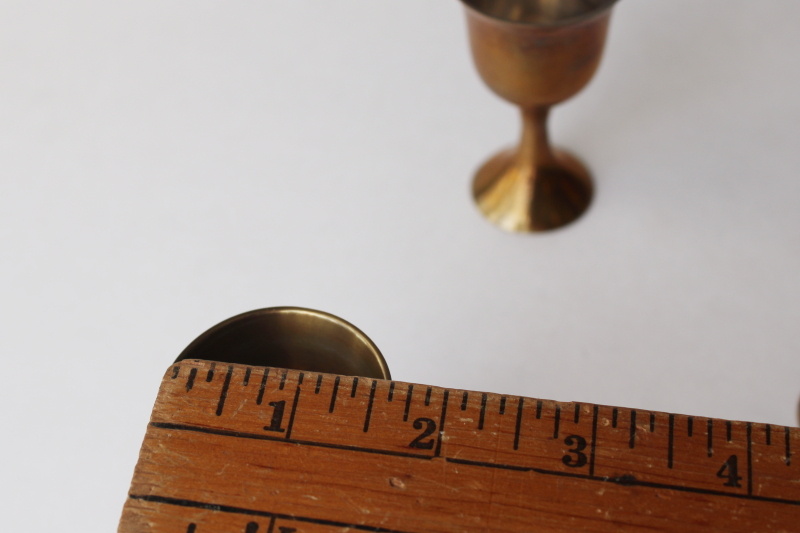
<point x="535" y="53"/>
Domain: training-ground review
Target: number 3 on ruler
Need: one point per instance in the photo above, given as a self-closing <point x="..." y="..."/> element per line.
<point x="580" y="458"/>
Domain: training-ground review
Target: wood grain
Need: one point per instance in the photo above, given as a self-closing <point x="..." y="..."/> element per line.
<point x="252" y="450"/>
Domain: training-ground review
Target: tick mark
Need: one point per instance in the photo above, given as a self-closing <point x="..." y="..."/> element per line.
<point x="690" y="426"/>
<point x="577" y="412"/>
<point x="538" y="409"/>
<point x="246" y="380"/>
<point x="519" y="422"/>
<point x="175" y="371"/>
<point x="408" y="402"/>
<point x="632" y="441"/>
<point x="438" y="450"/>
<point x="768" y="431"/>
<point x="614" y="415"/>
<point x="557" y="421"/>
<point x="652" y="422"/>
<point x="319" y="384"/>
<point x="369" y="406"/>
<point x="428" y="397"/>
<point x="671" y="440"/>
<point x="728" y="430"/>
<point x="210" y="374"/>
<point x="224" y="393"/>
<point x="710" y="432"/>
<point x="333" y="394"/>
<point x="788" y="456"/>
<point x="291" y="416"/>
<point x="283" y="380"/>
<point x="192" y="528"/>
<point x="300" y="378"/>
<point x="483" y="411"/>
<point x="464" y="401"/>
<point x="190" y="381"/>
<point x="262" y="387"/>
<point x="503" y="405"/>
<point x="355" y="387"/>
<point x="749" y="459"/>
<point x="391" y="391"/>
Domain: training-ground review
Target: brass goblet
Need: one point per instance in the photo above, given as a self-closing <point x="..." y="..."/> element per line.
<point x="535" y="53"/>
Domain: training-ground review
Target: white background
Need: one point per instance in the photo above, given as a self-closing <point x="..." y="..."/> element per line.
<point x="165" y="165"/>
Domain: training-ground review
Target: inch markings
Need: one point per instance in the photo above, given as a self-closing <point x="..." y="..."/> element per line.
<point x="665" y="454"/>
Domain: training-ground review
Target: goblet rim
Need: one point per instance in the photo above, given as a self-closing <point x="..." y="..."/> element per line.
<point x="566" y="21"/>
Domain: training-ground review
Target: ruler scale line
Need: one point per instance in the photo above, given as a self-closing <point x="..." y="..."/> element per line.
<point x="625" y="480"/>
<point x="242" y="435"/>
<point x="557" y="421"/>
<point x="749" y="459"/>
<point x="788" y="454"/>
<point x="441" y="423"/>
<point x="519" y="422"/>
<point x="671" y="438"/>
<point x="408" y="402"/>
<point x="483" y="411"/>
<point x="224" y="393"/>
<point x="369" y="407"/>
<point x="262" y="387"/>
<point x="294" y="410"/>
<point x="334" y="393"/>
<point x="667" y="470"/>
<point x="254" y="512"/>
<point x="595" y="414"/>
<point x="710" y="431"/>
<point x="190" y="379"/>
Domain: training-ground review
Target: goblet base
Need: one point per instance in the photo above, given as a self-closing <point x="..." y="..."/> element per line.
<point x="531" y="199"/>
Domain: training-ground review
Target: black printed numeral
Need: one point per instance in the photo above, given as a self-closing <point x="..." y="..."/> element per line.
<point x="277" y="416"/>
<point x="730" y="471"/>
<point x="429" y="429"/>
<point x="579" y="444"/>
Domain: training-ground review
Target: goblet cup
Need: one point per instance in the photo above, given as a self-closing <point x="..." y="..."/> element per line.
<point x="535" y="53"/>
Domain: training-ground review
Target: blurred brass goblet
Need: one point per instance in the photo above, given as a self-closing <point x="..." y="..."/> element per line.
<point x="535" y="53"/>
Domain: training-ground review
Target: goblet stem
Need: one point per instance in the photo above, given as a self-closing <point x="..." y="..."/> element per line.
<point x="533" y="187"/>
<point x="534" y="146"/>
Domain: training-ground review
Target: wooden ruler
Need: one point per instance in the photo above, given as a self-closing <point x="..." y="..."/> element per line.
<point x="236" y="449"/>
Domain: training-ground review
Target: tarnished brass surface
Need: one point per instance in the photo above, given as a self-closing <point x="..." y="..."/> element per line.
<point x="291" y="337"/>
<point x="535" y="53"/>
